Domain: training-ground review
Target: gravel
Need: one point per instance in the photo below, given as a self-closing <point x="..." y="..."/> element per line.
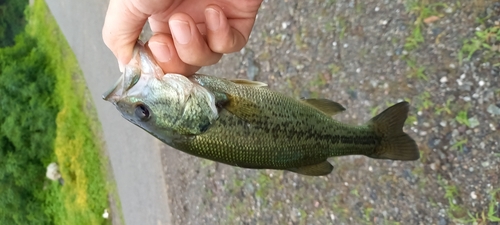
<point x="356" y="53"/>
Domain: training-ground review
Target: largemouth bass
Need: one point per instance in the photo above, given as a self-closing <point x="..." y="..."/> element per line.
<point x="242" y="123"/>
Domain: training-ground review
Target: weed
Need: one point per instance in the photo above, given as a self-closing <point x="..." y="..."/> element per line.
<point x="334" y="68"/>
<point x="459" y="145"/>
<point x="411" y="120"/>
<point x="359" y="7"/>
<point x="319" y="81"/>
<point x="462" y="118"/>
<point x="483" y="40"/>
<point x="423" y="10"/>
<point x="367" y="213"/>
<point x="355" y="192"/>
<point x="386" y="222"/>
<point x="374" y="111"/>
<point x="455" y="212"/>
<point x="460" y="214"/>
<point x="424" y="101"/>
<point x="342" y="24"/>
<point x="445" y="108"/>
<point x="494" y="206"/>
<point x="416" y="71"/>
<point x="299" y="38"/>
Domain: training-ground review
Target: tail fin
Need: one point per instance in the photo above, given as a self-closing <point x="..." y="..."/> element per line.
<point x="395" y="144"/>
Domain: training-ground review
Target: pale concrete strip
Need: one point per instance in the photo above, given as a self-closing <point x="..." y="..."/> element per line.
<point x="134" y="154"/>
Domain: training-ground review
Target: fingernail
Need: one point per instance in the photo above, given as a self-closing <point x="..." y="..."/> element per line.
<point x="213" y="19"/>
<point x="121" y="66"/>
<point x="181" y="31"/>
<point x="161" y="51"/>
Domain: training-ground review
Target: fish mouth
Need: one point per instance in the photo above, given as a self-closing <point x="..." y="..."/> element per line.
<point x="114" y="94"/>
<point x="141" y="63"/>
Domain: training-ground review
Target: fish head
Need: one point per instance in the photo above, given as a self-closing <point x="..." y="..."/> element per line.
<point x="168" y="106"/>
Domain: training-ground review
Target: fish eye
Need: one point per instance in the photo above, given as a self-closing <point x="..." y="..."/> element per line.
<point x="142" y="112"/>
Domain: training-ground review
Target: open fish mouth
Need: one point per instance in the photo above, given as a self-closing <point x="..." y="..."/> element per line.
<point x="142" y="65"/>
<point x="114" y="94"/>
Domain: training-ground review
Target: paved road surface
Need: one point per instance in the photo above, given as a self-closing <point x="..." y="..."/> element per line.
<point x="134" y="155"/>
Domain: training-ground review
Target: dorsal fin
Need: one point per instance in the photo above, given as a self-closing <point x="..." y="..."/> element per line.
<point x="326" y="106"/>
<point x="250" y="83"/>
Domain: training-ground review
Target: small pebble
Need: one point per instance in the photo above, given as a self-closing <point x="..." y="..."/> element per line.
<point x="493" y="109"/>
<point x="473" y="122"/>
<point x="452" y="66"/>
<point x="377" y="9"/>
<point x="473" y="195"/>
<point x="485" y="164"/>
<point x="346" y="45"/>
<point x="481" y="83"/>
<point x="443" y="80"/>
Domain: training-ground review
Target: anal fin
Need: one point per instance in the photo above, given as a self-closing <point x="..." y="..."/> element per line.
<point x="320" y="169"/>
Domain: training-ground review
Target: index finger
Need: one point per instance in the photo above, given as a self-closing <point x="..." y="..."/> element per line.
<point x="122" y="27"/>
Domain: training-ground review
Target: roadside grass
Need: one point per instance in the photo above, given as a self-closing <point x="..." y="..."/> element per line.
<point x="78" y="148"/>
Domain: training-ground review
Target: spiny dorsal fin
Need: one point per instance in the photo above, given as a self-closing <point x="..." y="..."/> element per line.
<point x="326" y="106"/>
<point x="250" y="83"/>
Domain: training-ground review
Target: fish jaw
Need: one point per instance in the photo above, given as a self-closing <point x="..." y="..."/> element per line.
<point x="142" y="67"/>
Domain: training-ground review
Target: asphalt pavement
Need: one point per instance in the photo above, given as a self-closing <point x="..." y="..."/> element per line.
<point x="134" y="154"/>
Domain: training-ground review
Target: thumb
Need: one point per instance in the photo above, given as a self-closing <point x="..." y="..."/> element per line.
<point x="122" y="27"/>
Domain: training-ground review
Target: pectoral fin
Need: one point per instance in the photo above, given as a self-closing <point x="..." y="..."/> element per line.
<point x="242" y="108"/>
<point x="326" y="106"/>
<point x="250" y="83"/>
<point x="319" y="169"/>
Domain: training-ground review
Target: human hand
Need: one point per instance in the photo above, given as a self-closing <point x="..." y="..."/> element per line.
<point x="187" y="34"/>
